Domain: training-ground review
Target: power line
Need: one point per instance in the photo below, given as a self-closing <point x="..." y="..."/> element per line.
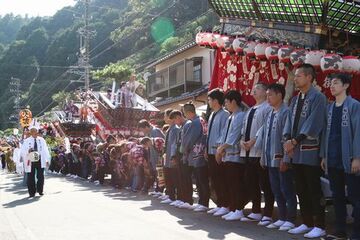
<point x="142" y="28"/>
<point x="168" y="35"/>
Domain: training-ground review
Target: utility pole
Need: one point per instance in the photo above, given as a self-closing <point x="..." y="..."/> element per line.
<point x="85" y="35"/>
<point x="15" y="84"/>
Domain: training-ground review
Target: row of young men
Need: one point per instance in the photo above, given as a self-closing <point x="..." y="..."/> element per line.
<point x="273" y="148"/>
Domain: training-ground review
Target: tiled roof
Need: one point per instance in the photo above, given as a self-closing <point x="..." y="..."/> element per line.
<point x="183" y="96"/>
<point x="337" y="14"/>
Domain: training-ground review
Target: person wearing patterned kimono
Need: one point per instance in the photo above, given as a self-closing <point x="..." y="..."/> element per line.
<point x="216" y="124"/>
<point x="340" y="152"/>
<point x="152" y="132"/>
<point x="302" y="134"/>
<point x="256" y="177"/>
<point x="269" y="140"/>
<point x="193" y="144"/>
<point x="228" y="153"/>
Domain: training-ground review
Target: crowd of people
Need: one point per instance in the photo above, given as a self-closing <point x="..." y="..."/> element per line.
<point x="272" y="148"/>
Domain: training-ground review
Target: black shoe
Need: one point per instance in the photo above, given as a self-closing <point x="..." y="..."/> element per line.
<point x="31" y="195"/>
<point x="41" y="194"/>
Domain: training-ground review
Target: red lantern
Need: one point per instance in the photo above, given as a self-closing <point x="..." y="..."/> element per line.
<point x="239" y="44"/>
<point x="314" y="58"/>
<point x="228" y="44"/>
<point x="260" y="50"/>
<point x="331" y="63"/>
<point x="271" y="52"/>
<point x="221" y="41"/>
<point x="284" y="53"/>
<point x="206" y="39"/>
<point x="199" y="38"/>
<point x="249" y="48"/>
<point x="213" y="42"/>
<point x="297" y="57"/>
<point x="351" y="64"/>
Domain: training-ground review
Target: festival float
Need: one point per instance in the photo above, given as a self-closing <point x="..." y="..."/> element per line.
<point x="99" y="114"/>
<point x="265" y="41"/>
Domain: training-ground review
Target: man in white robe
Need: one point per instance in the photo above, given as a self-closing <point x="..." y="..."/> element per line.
<point x="35" y="165"/>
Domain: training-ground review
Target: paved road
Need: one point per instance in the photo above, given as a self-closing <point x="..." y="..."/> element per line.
<point x="72" y="209"/>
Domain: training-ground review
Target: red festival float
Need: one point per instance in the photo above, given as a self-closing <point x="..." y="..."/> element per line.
<point x="265" y="41"/>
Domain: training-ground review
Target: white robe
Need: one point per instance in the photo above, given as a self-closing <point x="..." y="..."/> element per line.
<point x="18" y="163"/>
<point x="42" y="149"/>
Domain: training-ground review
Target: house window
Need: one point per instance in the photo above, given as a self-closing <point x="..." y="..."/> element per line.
<point x="197" y="72"/>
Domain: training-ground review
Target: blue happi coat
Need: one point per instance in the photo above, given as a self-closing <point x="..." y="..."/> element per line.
<point x="232" y="153"/>
<point x="170" y="144"/>
<point x="311" y="123"/>
<point x="193" y="143"/>
<point x="275" y="137"/>
<point x="350" y="132"/>
<point x="219" y="123"/>
<point x="258" y="121"/>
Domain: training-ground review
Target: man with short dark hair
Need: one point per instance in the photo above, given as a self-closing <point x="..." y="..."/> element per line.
<point x="216" y="125"/>
<point x="228" y="153"/>
<point x="340" y="150"/>
<point x="256" y="177"/>
<point x="193" y="146"/>
<point x="269" y="140"/>
<point x="302" y="134"/>
<point x="170" y="162"/>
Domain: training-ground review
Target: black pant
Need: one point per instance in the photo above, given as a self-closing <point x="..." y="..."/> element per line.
<point x="186" y="183"/>
<point x="338" y="181"/>
<point x="3" y="163"/>
<point x="257" y="179"/>
<point x="202" y="184"/>
<point x="311" y="199"/>
<point x="235" y="189"/>
<point x="171" y="183"/>
<point x="218" y="181"/>
<point x="32" y="188"/>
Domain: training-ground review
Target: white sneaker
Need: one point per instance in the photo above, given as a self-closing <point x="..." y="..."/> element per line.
<point x="174" y="203"/>
<point x="227" y="215"/>
<point x="300" y="229"/>
<point x="221" y="211"/>
<point x="163" y="197"/>
<point x="212" y="211"/>
<point x="315" y="233"/>
<point x="252" y="217"/>
<point x="265" y="221"/>
<point x="237" y="215"/>
<point x="276" y="224"/>
<point x="166" y="201"/>
<point x="287" y="226"/>
<point x="185" y="206"/>
<point x="200" y="208"/>
<point x="179" y="203"/>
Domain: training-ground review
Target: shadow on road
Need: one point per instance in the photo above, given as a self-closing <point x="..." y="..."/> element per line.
<point x="20" y="202"/>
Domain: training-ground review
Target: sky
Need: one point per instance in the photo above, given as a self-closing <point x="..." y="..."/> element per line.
<point x="33" y="7"/>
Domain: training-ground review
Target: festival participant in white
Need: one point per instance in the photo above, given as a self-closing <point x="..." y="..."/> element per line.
<point x="36" y="156"/>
